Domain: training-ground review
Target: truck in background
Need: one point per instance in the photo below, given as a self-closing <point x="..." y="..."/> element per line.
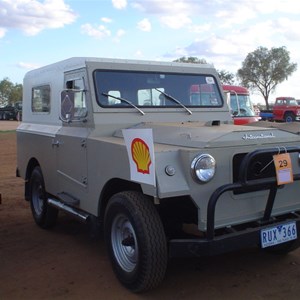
<point x="286" y="109"/>
<point x="11" y="112"/>
<point x="240" y="104"/>
<point x="266" y="115"/>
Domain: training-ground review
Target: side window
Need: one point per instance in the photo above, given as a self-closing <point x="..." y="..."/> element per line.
<point x="40" y="99"/>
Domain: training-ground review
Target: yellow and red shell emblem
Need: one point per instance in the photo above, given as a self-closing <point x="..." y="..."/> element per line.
<point x="141" y="155"/>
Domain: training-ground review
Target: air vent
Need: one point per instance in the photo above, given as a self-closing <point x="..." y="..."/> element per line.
<point x="213" y="123"/>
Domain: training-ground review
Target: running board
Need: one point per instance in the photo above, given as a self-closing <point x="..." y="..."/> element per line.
<point x="82" y="216"/>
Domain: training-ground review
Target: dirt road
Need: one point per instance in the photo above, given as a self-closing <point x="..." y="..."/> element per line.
<point x="65" y="263"/>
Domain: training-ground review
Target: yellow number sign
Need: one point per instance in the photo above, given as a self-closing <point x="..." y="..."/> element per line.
<point x="283" y="167"/>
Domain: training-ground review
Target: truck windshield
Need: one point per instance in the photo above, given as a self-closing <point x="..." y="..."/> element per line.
<point x="241" y="105"/>
<point x="151" y="89"/>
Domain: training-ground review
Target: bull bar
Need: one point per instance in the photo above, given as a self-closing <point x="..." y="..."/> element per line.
<point x="234" y="240"/>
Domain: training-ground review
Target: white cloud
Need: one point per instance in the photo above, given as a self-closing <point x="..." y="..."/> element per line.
<point x="106" y="20"/>
<point x="97" y="32"/>
<point x="119" y="4"/>
<point x="200" y="28"/>
<point x="2" y="32"/>
<point x="176" y="21"/>
<point x="120" y="33"/>
<point x="27" y="66"/>
<point x="172" y="14"/>
<point x="222" y="14"/>
<point x="166" y="7"/>
<point x="139" y="54"/>
<point x="286" y="6"/>
<point x="288" y="28"/>
<point x="33" y="16"/>
<point x="144" y="25"/>
<point x="239" y="14"/>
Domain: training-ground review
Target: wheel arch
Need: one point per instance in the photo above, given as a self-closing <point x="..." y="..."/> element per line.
<point x="112" y="187"/>
<point x="33" y="162"/>
<point x="289" y="112"/>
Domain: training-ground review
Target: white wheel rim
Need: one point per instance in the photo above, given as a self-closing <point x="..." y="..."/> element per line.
<point x="124" y="243"/>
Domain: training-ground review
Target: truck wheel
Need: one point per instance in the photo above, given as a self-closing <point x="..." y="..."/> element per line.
<point x="44" y="215"/>
<point x="135" y="241"/>
<point x="289" y="118"/>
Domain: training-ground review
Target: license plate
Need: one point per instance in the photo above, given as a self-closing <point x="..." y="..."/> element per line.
<point x="278" y="234"/>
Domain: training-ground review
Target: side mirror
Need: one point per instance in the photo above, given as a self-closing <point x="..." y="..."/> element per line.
<point x="73" y="106"/>
<point x="67" y="106"/>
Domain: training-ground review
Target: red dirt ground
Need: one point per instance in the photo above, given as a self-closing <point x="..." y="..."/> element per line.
<point x="65" y="263"/>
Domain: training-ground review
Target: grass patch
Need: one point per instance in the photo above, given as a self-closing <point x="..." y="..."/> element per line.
<point x="7" y="131"/>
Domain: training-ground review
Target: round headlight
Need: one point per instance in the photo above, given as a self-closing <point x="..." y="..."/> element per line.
<point x="203" y="167"/>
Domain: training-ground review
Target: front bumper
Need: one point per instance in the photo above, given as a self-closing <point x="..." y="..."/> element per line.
<point x="241" y="236"/>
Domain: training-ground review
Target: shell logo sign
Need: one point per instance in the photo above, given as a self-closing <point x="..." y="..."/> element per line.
<point x="140" y="150"/>
<point x="141" y="155"/>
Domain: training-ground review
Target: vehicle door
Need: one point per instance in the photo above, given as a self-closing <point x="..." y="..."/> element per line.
<point x="279" y="108"/>
<point x="71" y="141"/>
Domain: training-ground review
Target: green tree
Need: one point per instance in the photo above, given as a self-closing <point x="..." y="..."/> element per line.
<point x="264" y="69"/>
<point x="191" y="59"/>
<point x="16" y="93"/>
<point x="9" y="92"/>
<point x="225" y="76"/>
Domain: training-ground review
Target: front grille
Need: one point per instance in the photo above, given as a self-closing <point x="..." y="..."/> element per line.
<point x="261" y="166"/>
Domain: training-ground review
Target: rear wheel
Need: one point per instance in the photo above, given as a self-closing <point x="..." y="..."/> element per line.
<point x="135" y="241"/>
<point x="44" y="215"/>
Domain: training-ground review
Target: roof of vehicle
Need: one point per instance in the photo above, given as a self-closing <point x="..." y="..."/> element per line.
<point x="235" y="88"/>
<point x="125" y="64"/>
<point x="285" y="98"/>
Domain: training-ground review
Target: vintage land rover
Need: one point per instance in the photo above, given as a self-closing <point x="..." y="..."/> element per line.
<point x="147" y="152"/>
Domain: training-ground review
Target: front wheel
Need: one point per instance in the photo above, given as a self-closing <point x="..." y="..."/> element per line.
<point x="44" y="215"/>
<point x="135" y="240"/>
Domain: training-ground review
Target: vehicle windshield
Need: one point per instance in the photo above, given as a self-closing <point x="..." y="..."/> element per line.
<point x="241" y="106"/>
<point x="151" y="89"/>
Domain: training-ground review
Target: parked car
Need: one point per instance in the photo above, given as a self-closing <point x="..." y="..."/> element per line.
<point x="142" y="151"/>
<point x="286" y="109"/>
<point x="11" y="112"/>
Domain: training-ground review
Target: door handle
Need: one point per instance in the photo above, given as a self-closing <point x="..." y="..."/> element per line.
<point x="55" y="143"/>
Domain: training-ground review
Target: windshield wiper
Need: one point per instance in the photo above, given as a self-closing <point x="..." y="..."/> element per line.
<point x="124" y="100"/>
<point x="175" y="100"/>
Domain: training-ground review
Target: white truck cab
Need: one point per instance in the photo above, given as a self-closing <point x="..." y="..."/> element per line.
<point x="148" y="150"/>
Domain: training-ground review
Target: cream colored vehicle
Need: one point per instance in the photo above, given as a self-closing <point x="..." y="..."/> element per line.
<point x="149" y="151"/>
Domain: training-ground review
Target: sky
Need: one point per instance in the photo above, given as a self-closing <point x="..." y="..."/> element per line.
<point x="36" y="33"/>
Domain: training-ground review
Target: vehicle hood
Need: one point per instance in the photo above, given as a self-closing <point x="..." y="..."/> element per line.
<point x="209" y="135"/>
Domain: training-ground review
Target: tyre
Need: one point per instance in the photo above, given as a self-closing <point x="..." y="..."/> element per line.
<point x="289" y="117"/>
<point x="135" y="241"/>
<point x="44" y="215"/>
